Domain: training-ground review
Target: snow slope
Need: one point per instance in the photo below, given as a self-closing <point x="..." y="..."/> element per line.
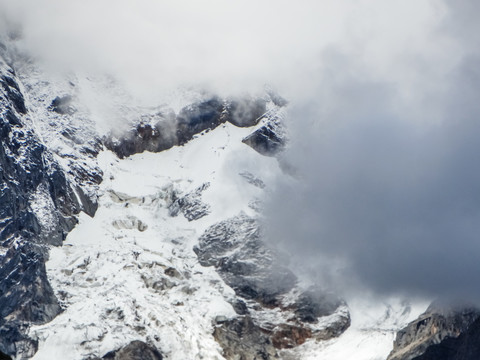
<point x="130" y="273"/>
<point x="121" y="282"/>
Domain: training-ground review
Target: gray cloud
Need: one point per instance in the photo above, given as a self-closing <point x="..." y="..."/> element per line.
<point x="388" y="194"/>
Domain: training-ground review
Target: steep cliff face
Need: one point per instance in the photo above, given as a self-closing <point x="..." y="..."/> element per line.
<point x="32" y="181"/>
<point x="438" y="324"/>
<point x="38" y="207"/>
<point x="464" y="347"/>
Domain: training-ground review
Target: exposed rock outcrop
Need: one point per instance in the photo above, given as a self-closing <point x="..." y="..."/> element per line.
<point x="136" y="350"/>
<point x="438" y="323"/>
<point x="464" y="347"/>
<point x="236" y="249"/>
<point x="63" y="105"/>
<point x="26" y="297"/>
<point x="32" y="182"/>
<point x="242" y="339"/>
<point x="156" y="136"/>
<point x="269" y="301"/>
<point x="269" y="139"/>
<point x="165" y="129"/>
<point x="38" y="207"/>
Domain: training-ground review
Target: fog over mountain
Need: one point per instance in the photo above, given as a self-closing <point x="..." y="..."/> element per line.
<point x="388" y="168"/>
<point x="384" y="114"/>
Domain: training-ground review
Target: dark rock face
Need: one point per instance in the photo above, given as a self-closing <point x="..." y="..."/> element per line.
<point x="136" y="350"/>
<point x="145" y="137"/>
<point x="12" y="91"/>
<point x="165" y="129"/>
<point x="264" y="285"/>
<point x="267" y="140"/>
<point x="4" y="356"/>
<point x="464" y="347"/>
<point x="236" y="249"/>
<point x="63" y="105"/>
<point x="28" y="171"/>
<point x="26" y="297"/>
<point x="242" y="339"/>
<point x="25" y="292"/>
<point x="38" y="207"/>
<point x="198" y="117"/>
<point x="433" y="327"/>
<point x="168" y="130"/>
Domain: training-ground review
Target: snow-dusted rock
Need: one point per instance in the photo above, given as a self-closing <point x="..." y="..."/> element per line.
<point x="272" y="304"/>
<point x="439" y="322"/>
<point x="136" y="350"/>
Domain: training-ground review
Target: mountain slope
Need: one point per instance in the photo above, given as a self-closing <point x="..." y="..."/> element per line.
<point x="121" y="251"/>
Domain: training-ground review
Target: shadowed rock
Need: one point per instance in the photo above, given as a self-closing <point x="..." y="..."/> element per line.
<point x="258" y="275"/>
<point x="236" y="249"/>
<point x="37" y="207"/>
<point x="26" y="297"/>
<point x="63" y="105"/>
<point x="166" y="129"/>
<point x="242" y="339"/>
<point x="439" y="322"/>
<point x="266" y="140"/>
<point x="136" y="350"/>
<point x="464" y="347"/>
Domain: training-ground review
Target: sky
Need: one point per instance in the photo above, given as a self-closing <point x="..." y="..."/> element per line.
<point x="383" y="115"/>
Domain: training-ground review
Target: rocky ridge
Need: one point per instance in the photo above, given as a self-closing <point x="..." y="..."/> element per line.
<point x="463" y="347"/>
<point x="38" y="208"/>
<point x="270" y="304"/>
<point x="434" y="327"/>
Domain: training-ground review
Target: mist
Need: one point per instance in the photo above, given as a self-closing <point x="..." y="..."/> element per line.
<point x="383" y="115"/>
<point x="154" y="46"/>
<point x="386" y="193"/>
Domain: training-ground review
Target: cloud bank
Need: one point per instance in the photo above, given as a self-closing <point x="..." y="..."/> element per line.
<point x="388" y="188"/>
<point x="384" y="114"/>
<point x="156" y="45"/>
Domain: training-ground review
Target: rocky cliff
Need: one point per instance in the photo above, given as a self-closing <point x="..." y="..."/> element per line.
<point x="435" y="330"/>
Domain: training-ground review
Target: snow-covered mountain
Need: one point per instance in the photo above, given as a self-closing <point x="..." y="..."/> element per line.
<point x="144" y="239"/>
